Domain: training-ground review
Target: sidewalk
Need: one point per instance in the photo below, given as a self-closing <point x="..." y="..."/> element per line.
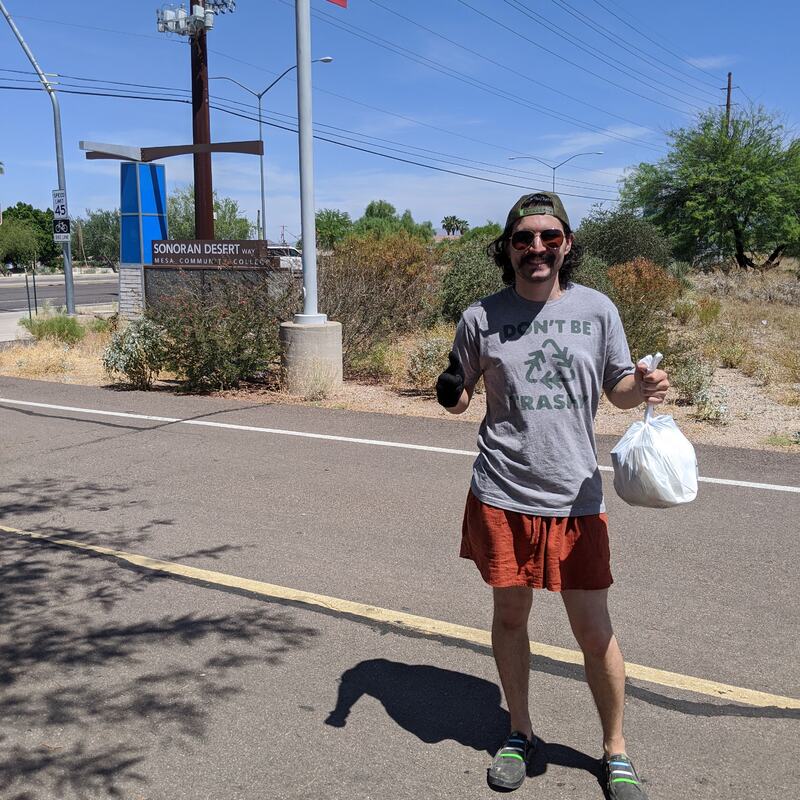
<point x="12" y="333"/>
<point x="11" y="330"/>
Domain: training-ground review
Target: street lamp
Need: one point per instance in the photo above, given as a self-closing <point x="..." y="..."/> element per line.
<point x="258" y="96"/>
<point x="556" y="166"/>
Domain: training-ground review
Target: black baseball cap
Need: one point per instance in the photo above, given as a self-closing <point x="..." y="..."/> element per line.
<point x="538" y="203"/>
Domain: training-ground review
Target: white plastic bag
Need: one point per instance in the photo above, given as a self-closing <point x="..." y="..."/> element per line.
<point x="654" y="463"/>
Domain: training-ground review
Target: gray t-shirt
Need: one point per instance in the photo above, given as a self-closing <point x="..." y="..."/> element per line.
<point x="544" y="366"/>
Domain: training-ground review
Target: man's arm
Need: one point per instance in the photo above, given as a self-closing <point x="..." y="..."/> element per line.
<point x="641" y="387"/>
<point x="462" y="405"/>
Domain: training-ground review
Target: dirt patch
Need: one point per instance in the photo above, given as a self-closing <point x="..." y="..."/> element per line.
<point x="755" y="419"/>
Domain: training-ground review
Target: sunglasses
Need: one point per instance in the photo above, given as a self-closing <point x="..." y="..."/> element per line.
<point x="552" y="238"/>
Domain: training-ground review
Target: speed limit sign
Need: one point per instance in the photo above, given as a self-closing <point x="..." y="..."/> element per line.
<point x="60" y="204"/>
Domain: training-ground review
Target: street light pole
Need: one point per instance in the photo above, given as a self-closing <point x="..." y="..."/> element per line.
<point x="258" y="96"/>
<point x="556" y="166"/>
<point x="69" y="288"/>
<point x="263" y="234"/>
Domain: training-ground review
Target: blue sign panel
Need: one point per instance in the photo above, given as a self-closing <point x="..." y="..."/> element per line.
<point x="143" y="210"/>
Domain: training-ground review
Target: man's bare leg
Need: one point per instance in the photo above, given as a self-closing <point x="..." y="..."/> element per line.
<point x="605" y="668"/>
<point x="511" y="649"/>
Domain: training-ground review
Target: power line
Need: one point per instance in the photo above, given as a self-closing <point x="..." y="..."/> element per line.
<point x="316" y="136"/>
<point x="505" y="67"/>
<point x="567" y="60"/>
<point x="97" y="84"/>
<point x="317" y="89"/>
<point x="636" y="51"/>
<point x="653" y="41"/>
<point x="608" y="60"/>
<point x="494" y="91"/>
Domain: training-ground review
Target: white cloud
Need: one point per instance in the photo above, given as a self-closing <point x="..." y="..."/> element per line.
<point x="576" y="142"/>
<point x="712" y="62"/>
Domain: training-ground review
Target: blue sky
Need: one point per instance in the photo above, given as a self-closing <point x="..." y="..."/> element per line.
<point x="463" y="85"/>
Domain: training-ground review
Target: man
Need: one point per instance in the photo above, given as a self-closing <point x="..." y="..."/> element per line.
<point x="535" y="518"/>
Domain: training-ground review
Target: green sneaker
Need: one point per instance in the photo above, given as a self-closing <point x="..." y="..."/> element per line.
<point x="510" y="764"/>
<point x="620" y="779"/>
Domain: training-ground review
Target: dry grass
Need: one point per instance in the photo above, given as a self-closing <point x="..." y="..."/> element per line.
<point x="755" y="336"/>
<point x="53" y="361"/>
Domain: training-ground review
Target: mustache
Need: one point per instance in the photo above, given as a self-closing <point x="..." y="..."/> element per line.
<point x="546" y="258"/>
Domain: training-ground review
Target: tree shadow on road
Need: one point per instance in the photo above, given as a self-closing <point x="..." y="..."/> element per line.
<point x="438" y="704"/>
<point x="99" y="671"/>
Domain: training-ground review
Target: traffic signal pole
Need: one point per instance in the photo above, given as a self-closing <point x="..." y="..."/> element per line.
<point x="69" y="288"/>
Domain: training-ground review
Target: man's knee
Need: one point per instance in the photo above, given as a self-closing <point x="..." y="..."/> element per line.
<point x="594" y="641"/>
<point x="512" y="607"/>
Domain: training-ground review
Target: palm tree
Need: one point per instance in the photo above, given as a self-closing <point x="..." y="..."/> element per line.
<point x="2" y="169"/>
<point x="462" y="226"/>
<point x="450" y="224"/>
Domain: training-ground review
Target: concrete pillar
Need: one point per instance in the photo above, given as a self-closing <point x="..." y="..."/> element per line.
<point x="312" y="357"/>
<point x="131" y="291"/>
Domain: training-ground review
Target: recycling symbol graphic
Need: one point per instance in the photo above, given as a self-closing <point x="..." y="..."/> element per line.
<point x="553" y="375"/>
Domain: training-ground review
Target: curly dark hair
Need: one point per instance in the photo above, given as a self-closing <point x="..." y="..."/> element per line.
<point x="498" y="251"/>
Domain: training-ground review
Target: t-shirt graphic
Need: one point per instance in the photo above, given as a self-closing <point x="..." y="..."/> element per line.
<point x="544" y="366"/>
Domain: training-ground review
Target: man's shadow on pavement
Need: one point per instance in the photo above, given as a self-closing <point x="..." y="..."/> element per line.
<point x="439" y="704"/>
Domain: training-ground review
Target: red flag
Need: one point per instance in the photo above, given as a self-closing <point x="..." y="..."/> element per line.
<point x="342" y="3"/>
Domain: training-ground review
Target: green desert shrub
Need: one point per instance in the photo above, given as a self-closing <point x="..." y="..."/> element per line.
<point x="470" y="275"/>
<point x="221" y="333"/>
<point x="56" y="327"/>
<point x="618" y="236"/>
<point x="644" y="294"/>
<point x="427" y="358"/>
<point x="379" y="288"/>
<point x="136" y="352"/>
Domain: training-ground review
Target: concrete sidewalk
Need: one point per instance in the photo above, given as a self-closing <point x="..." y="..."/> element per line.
<point x="10" y="329"/>
<point x="12" y="333"/>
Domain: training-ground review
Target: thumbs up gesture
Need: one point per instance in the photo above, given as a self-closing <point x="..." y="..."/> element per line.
<point x="450" y="384"/>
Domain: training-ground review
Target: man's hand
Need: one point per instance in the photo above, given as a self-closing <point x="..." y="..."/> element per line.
<point x="450" y="384"/>
<point x="652" y="385"/>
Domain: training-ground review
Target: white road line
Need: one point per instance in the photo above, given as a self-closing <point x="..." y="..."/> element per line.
<point x="773" y="487"/>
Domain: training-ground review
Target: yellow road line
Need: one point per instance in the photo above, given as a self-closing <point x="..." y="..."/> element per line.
<point x="416" y="624"/>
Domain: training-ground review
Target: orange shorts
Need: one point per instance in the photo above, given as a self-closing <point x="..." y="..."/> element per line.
<point x="555" y="553"/>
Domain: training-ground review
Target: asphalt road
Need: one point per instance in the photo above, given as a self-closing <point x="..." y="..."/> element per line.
<point x="89" y="289"/>
<point x="116" y="680"/>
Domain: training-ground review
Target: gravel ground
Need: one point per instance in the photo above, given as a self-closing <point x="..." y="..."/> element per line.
<point x="754" y="416"/>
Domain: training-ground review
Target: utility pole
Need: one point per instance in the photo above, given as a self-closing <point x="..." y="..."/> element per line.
<point x="201" y="134"/>
<point x="194" y="23"/>
<point x="728" y="106"/>
<point x="69" y="288"/>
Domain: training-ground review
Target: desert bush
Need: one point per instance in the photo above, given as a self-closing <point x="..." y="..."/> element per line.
<point x="763" y="370"/>
<point x="470" y="275"/>
<point x="690" y="376"/>
<point x="684" y="310"/>
<point x="788" y="358"/>
<point x="644" y="294"/>
<point x="56" y="327"/>
<point x="377" y="363"/>
<point x="593" y="272"/>
<point x="378" y="288"/>
<point x="428" y="357"/>
<point x="136" y="352"/>
<point x="217" y="335"/>
<point x="621" y="236"/>
<point x="732" y="354"/>
<point x="712" y="407"/>
<point x="708" y="309"/>
<point x="103" y="325"/>
<point x="681" y="271"/>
